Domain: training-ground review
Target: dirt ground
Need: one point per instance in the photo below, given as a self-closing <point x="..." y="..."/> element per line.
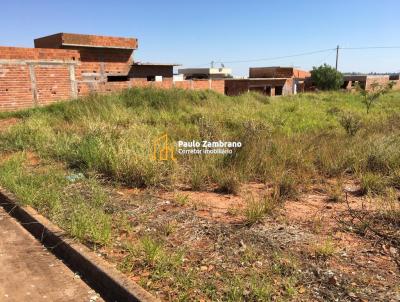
<point x="334" y="262"/>
<point x="29" y="272"/>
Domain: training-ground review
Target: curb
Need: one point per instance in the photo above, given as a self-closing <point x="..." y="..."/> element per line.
<point x="112" y="285"/>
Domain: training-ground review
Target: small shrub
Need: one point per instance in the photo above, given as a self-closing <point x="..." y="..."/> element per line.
<point x="335" y="193"/>
<point x="198" y="176"/>
<point x="257" y="209"/>
<point x="285" y="187"/>
<point x="152" y="249"/>
<point x="228" y="183"/>
<point x="373" y="94"/>
<point x="181" y="199"/>
<point x="325" y="249"/>
<point x="169" y="228"/>
<point x="351" y="123"/>
<point x="372" y="183"/>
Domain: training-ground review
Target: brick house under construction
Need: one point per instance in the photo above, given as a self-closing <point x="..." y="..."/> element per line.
<point x="270" y="81"/>
<point x="64" y="66"/>
<point x="365" y="81"/>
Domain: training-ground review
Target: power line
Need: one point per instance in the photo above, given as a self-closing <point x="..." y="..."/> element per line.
<point x="361" y="48"/>
<point x="370" y="47"/>
<point x="300" y="54"/>
<point x="276" y="58"/>
<point x="326" y="57"/>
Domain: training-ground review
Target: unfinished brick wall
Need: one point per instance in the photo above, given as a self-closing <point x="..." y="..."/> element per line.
<point x="277" y="72"/>
<point x="100" y="56"/>
<point x="236" y="87"/>
<point x="364" y="81"/>
<point x="216" y="85"/>
<point x="381" y="80"/>
<point x="143" y="71"/>
<point x="62" y="40"/>
<point x="30" y="77"/>
<point x="270" y="72"/>
<point x="15" y="87"/>
<point x="105" y="62"/>
<point x="267" y="86"/>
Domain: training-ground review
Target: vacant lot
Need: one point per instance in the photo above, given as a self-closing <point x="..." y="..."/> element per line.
<point x="308" y="208"/>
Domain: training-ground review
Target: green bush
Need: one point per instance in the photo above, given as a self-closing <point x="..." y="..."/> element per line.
<point x="326" y="77"/>
<point x="350" y="122"/>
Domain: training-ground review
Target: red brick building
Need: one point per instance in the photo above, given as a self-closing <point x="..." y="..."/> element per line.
<point x="65" y="66"/>
<point x="364" y="81"/>
<point x="271" y="81"/>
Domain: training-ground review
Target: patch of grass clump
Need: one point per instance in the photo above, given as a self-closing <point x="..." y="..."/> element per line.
<point x="285" y="187"/>
<point x="181" y="199"/>
<point x="80" y="212"/>
<point x="372" y="183"/>
<point x="256" y="209"/>
<point x="325" y="249"/>
<point x="228" y="182"/>
<point x="335" y="192"/>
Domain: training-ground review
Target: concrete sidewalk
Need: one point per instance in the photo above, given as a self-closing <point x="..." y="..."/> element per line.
<point x="29" y="272"/>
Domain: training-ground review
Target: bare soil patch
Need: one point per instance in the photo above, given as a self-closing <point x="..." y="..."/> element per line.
<point x="304" y="239"/>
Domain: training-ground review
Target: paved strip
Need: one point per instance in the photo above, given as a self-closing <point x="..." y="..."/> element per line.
<point x="29" y="272"/>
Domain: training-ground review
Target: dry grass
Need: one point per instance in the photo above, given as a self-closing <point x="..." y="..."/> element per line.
<point x="289" y="143"/>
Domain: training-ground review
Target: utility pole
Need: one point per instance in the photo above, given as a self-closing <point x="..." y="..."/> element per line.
<point x="337" y="55"/>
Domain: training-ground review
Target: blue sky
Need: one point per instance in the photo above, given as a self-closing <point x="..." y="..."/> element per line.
<point x="194" y="33"/>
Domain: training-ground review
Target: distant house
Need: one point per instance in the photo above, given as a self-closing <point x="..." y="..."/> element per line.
<point x="152" y="71"/>
<point x="364" y="81"/>
<point x="205" y="73"/>
<point x="271" y="81"/>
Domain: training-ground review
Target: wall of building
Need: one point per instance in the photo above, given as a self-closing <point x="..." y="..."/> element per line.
<point x="31" y="77"/>
<point x="270" y="72"/>
<point x="62" y="40"/>
<point x="381" y="80"/>
<point x="216" y="85"/>
<point x="105" y="61"/>
<point x="365" y="81"/>
<point x="270" y="87"/>
<point x="277" y="72"/>
<point x="143" y="71"/>
<point x="236" y="87"/>
<point x="301" y="74"/>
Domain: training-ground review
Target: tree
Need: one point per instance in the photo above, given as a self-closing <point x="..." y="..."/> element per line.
<point x="372" y="95"/>
<point x="326" y="77"/>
